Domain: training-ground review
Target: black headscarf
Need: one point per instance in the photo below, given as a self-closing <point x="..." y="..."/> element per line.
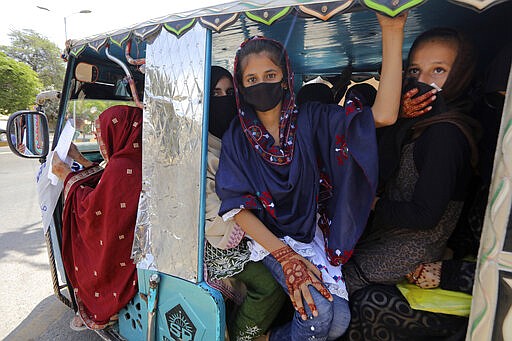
<point x="452" y="104"/>
<point x="490" y="108"/>
<point x="217" y="74"/>
<point x="498" y="71"/>
<point x="315" y="92"/>
<point x="364" y="91"/>
<point x="222" y="108"/>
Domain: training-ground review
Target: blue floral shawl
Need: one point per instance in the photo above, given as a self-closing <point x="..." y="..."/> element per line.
<point x="326" y="169"/>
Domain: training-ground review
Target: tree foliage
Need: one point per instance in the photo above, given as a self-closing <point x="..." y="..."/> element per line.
<point x="42" y="55"/>
<point x="19" y="85"/>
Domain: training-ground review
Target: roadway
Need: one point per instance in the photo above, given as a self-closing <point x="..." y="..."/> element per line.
<point x="28" y="307"/>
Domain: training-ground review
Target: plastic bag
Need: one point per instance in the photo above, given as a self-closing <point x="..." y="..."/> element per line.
<point x="436" y="300"/>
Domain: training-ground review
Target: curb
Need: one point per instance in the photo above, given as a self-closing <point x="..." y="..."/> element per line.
<point x="39" y="320"/>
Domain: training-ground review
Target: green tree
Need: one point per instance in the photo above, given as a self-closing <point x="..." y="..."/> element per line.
<point x="42" y="55"/>
<point x="19" y="85"/>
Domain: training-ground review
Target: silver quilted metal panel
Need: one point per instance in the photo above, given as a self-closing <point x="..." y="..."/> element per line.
<point x="172" y="151"/>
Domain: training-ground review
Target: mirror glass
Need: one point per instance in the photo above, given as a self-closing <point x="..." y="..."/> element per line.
<point x="121" y="89"/>
<point x="28" y="134"/>
<point x="85" y="72"/>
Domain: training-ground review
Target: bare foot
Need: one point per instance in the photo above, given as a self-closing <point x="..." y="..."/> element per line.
<point x="76" y="324"/>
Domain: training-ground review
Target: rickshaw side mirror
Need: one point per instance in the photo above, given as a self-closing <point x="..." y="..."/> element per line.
<point x="87" y="73"/>
<point x="27" y="134"/>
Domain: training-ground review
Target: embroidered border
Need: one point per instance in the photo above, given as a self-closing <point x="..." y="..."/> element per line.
<point x="80" y="176"/>
<point x="236" y="235"/>
<point x="277" y="155"/>
<point x="101" y="143"/>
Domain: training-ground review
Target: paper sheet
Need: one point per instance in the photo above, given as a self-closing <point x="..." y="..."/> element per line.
<point x="62" y="148"/>
<point x="48" y="194"/>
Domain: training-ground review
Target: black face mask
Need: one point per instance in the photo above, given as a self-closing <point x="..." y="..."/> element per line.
<point x="222" y="112"/>
<point x="263" y="96"/>
<point x="438" y="106"/>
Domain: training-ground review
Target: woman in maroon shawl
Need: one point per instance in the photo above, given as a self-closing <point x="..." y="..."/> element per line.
<point x="99" y="217"/>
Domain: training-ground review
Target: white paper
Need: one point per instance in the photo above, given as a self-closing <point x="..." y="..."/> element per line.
<point x="62" y="148"/>
<point x="48" y="194"/>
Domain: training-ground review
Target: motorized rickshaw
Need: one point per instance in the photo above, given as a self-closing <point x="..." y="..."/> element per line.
<point x="163" y="66"/>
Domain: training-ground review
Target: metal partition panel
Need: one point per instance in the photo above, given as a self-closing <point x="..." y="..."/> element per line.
<point x="172" y="134"/>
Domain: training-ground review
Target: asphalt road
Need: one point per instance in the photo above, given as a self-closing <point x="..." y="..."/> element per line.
<point x="28" y="307"/>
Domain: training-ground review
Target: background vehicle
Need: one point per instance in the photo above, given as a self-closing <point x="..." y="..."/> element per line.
<point x="3" y="132"/>
<point x="165" y="65"/>
<point x="3" y="135"/>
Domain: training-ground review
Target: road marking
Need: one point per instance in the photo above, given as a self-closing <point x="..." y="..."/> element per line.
<point x="2" y="153"/>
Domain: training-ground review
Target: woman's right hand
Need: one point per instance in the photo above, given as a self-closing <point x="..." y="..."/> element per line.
<point x="414" y="107"/>
<point x="386" y="107"/>
<point x="74" y="153"/>
<point x="300" y="274"/>
<point x="386" y="22"/>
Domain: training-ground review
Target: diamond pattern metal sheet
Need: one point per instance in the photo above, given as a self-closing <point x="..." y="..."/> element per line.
<point x="172" y="148"/>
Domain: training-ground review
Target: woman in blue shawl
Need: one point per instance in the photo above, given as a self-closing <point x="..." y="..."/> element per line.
<point x="301" y="183"/>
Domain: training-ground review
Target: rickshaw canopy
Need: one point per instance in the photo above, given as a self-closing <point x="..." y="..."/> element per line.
<point x="321" y="37"/>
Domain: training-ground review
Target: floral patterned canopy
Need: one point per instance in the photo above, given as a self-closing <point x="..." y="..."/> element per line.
<point x="322" y="37"/>
<point x="219" y="18"/>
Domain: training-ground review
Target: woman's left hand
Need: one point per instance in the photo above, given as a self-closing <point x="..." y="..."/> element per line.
<point x="75" y="154"/>
<point x="60" y="168"/>
<point x="426" y="276"/>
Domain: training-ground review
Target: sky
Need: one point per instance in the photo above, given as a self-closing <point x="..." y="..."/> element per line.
<point x="106" y="15"/>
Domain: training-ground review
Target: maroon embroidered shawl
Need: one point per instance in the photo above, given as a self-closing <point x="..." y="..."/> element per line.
<point x="99" y="220"/>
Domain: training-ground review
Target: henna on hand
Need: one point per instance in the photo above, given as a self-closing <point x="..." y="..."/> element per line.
<point x="282" y="253"/>
<point x="430" y="276"/>
<point x="299" y="274"/>
<point x="296" y="275"/>
<point x="414" y="107"/>
<point x="412" y="277"/>
<point x="426" y="276"/>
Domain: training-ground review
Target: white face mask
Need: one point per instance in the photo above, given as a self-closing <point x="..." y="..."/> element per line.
<point x="437" y="87"/>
